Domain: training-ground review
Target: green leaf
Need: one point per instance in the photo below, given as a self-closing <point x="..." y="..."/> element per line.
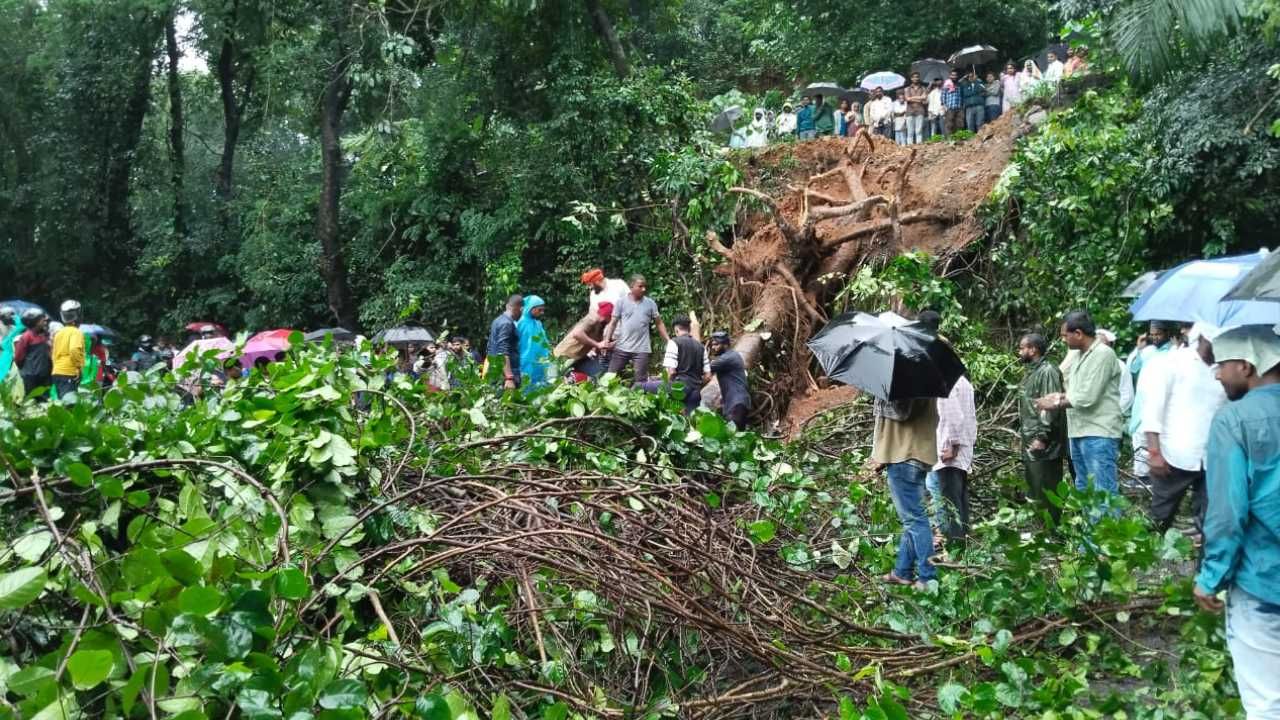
<point x="501" y="709"/>
<point x="291" y="584"/>
<point x="432" y="706"/>
<point x="63" y="707"/>
<point x="20" y="587"/>
<point x="257" y="704"/>
<point x="344" y="693"/>
<point x="184" y="568"/>
<point x="1067" y="636"/>
<point x="200" y="600"/>
<point x="31" y="680"/>
<point x="558" y="711"/>
<point x="950" y="696"/>
<point x="848" y="710"/>
<point x="90" y="667"/>
<point x="80" y="474"/>
<point x="31" y="546"/>
<point x="762" y="531"/>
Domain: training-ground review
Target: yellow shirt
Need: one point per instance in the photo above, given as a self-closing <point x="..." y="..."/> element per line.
<point x="68" y="352"/>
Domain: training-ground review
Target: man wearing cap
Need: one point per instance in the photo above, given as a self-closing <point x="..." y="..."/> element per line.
<point x="1180" y="397"/>
<point x="731" y="375"/>
<point x="586" y="336"/>
<point x="1242" y="524"/>
<point x="603" y="289"/>
<point x="68" y="351"/>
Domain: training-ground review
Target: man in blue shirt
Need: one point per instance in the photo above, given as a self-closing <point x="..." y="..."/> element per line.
<point x="953" y="120"/>
<point x="504" y="343"/>
<point x="1242" y="525"/>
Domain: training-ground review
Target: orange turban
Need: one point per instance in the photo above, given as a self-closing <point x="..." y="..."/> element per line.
<point x="605" y="310"/>
<point x="593" y="276"/>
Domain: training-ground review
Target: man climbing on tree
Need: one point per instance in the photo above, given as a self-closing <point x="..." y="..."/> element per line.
<point x="731" y="374"/>
<point x="629" y="330"/>
<point x="586" y="336"/>
<point x="1242" y="525"/>
<point x="1044" y="433"/>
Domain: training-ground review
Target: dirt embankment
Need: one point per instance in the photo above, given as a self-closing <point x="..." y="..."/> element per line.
<point x="814" y="212"/>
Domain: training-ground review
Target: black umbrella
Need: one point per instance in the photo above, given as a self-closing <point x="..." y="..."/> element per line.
<point x="887" y="361"/>
<point x="1141" y="284"/>
<point x="404" y="335"/>
<point x="974" y="55"/>
<point x="1042" y="57"/>
<point x="856" y="95"/>
<point x="339" y="335"/>
<point x="931" y="69"/>
<point x="727" y="117"/>
<point x="825" y="89"/>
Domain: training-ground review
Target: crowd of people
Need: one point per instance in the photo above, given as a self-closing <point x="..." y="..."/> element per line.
<point x="915" y="112"/>
<point x="615" y="336"/>
<point x="1202" y="407"/>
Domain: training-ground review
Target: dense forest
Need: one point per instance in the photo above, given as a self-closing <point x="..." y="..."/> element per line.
<point x="333" y="540"/>
<point x="277" y="164"/>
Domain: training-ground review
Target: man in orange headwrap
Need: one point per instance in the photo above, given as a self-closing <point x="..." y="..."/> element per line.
<point x="603" y="289"/>
<point x="586" y="337"/>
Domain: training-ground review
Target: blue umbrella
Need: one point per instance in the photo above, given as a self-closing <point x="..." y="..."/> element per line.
<point x="1193" y="292"/>
<point x="883" y="80"/>
<point x="21" y="306"/>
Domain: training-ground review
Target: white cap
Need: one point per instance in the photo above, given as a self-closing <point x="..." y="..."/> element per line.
<point x="1207" y="331"/>
<point x="1107" y="335"/>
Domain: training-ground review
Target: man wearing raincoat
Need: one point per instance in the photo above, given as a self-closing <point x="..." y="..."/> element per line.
<point x="535" y="350"/>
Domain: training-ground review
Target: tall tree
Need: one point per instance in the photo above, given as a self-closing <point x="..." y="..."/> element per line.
<point x="177" y="154"/>
<point x="237" y="75"/>
<point x="333" y="105"/>
<point x="604" y="28"/>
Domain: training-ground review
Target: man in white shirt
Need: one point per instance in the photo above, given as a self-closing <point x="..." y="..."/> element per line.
<point x="1180" y="396"/>
<point x="608" y="290"/>
<point x="786" y="122"/>
<point x="957" y="434"/>
<point x="879" y="112"/>
<point x="1053" y="69"/>
<point x="937" y="111"/>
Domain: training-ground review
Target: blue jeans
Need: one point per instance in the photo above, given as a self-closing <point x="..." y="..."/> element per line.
<point x="906" y="487"/>
<point x="808" y="134"/>
<point x="1253" y="637"/>
<point x="900" y="136"/>
<point x="993" y="112"/>
<point x="973" y="115"/>
<point x="1094" y="459"/>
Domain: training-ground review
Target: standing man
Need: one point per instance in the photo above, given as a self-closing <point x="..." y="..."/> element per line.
<point x="937" y="111"/>
<point x="899" y="118"/>
<point x="731" y="374"/>
<point x="603" y="289"/>
<point x="905" y="446"/>
<point x="68" y="351"/>
<point x="1242" y="526"/>
<point x="785" y="124"/>
<point x="805" y="121"/>
<point x="1180" y="397"/>
<point x="1053" y="69"/>
<point x="504" y="343"/>
<point x="685" y="361"/>
<point x="586" y="336"/>
<point x="629" y="330"/>
<point x="974" y="96"/>
<point x="992" y="91"/>
<point x="1044" y="433"/>
<point x="879" y="114"/>
<point x="1092" y="402"/>
<point x="953" y="102"/>
<point x="917" y="97"/>
<point x="957" y="434"/>
<point x="824" y="122"/>
<point x="31" y="351"/>
<point x="1151" y="349"/>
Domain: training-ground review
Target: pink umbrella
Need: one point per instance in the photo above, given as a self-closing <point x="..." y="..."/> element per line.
<point x="263" y="347"/>
<point x="281" y="334"/>
<point x="199" y="347"/>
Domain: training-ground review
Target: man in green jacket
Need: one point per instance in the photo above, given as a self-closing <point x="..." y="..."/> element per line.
<point x="823" y="120"/>
<point x="1044" y="434"/>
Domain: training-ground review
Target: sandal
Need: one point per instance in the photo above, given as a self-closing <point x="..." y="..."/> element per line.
<point x="892" y="579"/>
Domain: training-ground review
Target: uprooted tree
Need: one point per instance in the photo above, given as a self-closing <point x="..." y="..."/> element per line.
<point x="859" y="200"/>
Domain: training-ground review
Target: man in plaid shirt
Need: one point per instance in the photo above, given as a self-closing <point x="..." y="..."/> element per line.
<point x="957" y="434"/>
<point x="953" y="103"/>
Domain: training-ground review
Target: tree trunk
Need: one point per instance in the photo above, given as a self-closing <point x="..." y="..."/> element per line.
<point x="177" y="156"/>
<point x="233" y="107"/>
<point x="337" y="93"/>
<point x="604" y="28"/>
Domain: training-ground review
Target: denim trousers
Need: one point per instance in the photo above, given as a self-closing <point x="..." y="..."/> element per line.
<point x="900" y="137"/>
<point x="973" y="116"/>
<point x="992" y="112"/>
<point x="1094" y="460"/>
<point x="915" y="129"/>
<point x="906" y="487"/>
<point x="1253" y="638"/>
<point x="808" y="134"/>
